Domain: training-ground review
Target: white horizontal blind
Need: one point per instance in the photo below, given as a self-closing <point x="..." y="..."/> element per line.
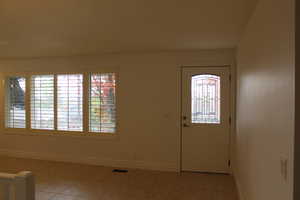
<point x="42" y="102"/>
<point x="102" y="103"/>
<point x="15" y="116"/>
<point x="69" y="102"/>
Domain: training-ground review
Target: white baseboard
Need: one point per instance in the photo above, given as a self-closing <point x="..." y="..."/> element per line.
<point x="159" y="166"/>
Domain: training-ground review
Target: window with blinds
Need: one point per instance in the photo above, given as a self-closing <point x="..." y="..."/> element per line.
<point x="69" y="102"/>
<point x="61" y="103"/>
<point x="42" y="102"/>
<point x="102" y="106"/>
<point x="15" y="115"/>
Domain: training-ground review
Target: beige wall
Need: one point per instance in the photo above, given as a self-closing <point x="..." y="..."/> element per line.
<point x="265" y="102"/>
<point x="149" y="110"/>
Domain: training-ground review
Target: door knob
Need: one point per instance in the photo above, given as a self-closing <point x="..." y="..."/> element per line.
<point x="185" y="125"/>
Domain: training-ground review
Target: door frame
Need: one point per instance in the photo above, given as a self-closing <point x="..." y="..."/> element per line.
<point x="232" y="107"/>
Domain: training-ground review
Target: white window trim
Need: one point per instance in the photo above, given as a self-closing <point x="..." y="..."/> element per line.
<point x="40" y="132"/>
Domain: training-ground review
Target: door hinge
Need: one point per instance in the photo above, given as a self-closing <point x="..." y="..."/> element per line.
<point x="229" y="163"/>
<point x="229" y="77"/>
<point x="230" y="120"/>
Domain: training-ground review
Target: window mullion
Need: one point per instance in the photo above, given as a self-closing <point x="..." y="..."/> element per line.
<point x="86" y="89"/>
<point x="55" y="102"/>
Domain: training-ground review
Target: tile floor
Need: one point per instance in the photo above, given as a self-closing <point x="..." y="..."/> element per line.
<point x="66" y="181"/>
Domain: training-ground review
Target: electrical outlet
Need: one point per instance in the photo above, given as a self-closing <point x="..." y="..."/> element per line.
<point x="284" y="168"/>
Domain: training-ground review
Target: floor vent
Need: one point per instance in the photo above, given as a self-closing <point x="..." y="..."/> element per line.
<point x="120" y="170"/>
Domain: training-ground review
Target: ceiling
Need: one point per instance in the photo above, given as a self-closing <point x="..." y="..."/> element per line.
<point x="34" y="28"/>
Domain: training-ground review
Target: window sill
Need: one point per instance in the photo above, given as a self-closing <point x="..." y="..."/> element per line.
<point x="69" y="134"/>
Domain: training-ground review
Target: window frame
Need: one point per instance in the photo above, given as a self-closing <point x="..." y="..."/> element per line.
<point x="54" y="100"/>
<point x="85" y="102"/>
<point x="5" y="87"/>
<point x="219" y="103"/>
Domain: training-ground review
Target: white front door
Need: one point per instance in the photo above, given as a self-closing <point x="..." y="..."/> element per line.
<point x="205" y="119"/>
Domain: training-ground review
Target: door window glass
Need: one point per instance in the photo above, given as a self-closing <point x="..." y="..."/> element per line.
<point x="205" y="97"/>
